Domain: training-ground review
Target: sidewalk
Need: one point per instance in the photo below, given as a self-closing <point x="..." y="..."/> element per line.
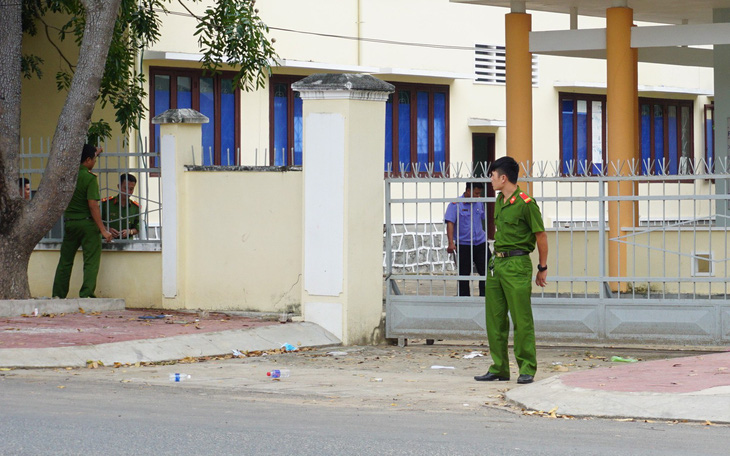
<point x="129" y="336"/>
<point x="666" y="384"/>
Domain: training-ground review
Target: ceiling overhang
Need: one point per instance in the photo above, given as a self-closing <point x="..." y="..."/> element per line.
<point x="657" y="11"/>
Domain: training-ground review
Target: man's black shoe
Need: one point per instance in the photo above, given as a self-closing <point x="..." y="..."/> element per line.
<point x="525" y="378"/>
<point x="490" y="377"/>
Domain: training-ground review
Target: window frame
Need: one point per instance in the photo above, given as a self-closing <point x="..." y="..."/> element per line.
<point x="275" y="79"/>
<point x="414" y="88"/>
<point x="665" y="103"/>
<point x="589" y="98"/>
<point x="709" y="108"/>
<point x="195" y="74"/>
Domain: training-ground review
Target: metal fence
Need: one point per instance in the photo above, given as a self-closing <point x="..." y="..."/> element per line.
<point x="672" y="254"/>
<point x="117" y="159"/>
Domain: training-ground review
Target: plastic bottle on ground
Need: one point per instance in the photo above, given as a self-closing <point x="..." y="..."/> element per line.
<point x="278" y="373"/>
<point x="176" y="377"/>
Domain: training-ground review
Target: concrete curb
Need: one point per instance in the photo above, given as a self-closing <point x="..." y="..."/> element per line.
<point x="18" y="307"/>
<point x="712" y="404"/>
<point x="171" y="348"/>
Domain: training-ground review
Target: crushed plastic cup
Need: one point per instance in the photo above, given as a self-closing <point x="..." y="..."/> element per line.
<point x="619" y="359"/>
<point x="473" y="354"/>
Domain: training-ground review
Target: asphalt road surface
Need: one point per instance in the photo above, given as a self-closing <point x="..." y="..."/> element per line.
<point x="40" y="415"/>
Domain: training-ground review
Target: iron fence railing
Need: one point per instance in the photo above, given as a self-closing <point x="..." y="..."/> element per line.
<point x="117" y="159"/>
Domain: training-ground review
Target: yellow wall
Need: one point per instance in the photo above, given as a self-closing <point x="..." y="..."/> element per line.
<point x="41" y="101"/>
<point x="133" y="275"/>
<point x="243" y="249"/>
<point x="575" y="255"/>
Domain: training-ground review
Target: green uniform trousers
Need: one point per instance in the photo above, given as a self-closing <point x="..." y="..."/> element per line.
<point x="509" y="289"/>
<point x="77" y="233"/>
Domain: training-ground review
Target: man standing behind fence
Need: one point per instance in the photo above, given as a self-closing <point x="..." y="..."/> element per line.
<point x="120" y="213"/>
<point x="82" y="227"/>
<point x="519" y="228"/>
<point x="466" y="219"/>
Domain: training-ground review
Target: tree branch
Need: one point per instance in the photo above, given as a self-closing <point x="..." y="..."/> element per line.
<point x="188" y="10"/>
<point x="48" y="35"/>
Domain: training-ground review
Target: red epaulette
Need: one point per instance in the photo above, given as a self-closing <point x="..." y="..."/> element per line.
<point x="134" y="202"/>
<point x="525" y="197"/>
<point x="107" y="199"/>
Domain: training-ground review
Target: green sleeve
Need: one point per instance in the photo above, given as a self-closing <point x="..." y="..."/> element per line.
<point x="534" y="217"/>
<point x="135" y="220"/>
<point x="92" y="191"/>
<point x="105" y="212"/>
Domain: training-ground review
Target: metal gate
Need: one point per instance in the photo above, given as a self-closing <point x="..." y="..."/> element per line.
<point x="673" y="254"/>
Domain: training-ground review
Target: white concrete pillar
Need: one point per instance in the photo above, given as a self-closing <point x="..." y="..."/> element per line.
<point x="180" y="135"/>
<point x="343" y="203"/>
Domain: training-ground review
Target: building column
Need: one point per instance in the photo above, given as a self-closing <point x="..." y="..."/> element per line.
<point x="721" y="117"/>
<point x="343" y="204"/>
<point x="621" y="108"/>
<point x="518" y="25"/>
<point x="181" y="133"/>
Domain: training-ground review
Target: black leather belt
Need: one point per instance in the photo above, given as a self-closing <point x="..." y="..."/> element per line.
<point x="511" y="253"/>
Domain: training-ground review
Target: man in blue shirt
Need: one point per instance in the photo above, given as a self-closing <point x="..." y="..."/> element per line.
<point x="466" y="236"/>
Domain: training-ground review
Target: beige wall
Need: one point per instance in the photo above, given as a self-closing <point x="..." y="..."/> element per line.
<point x="243" y="248"/>
<point x="575" y="254"/>
<point x="424" y="23"/>
<point x="133" y="275"/>
<point x="41" y="102"/>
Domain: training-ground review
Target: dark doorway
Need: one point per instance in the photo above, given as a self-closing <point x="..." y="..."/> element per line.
<point x="482" y="154"/>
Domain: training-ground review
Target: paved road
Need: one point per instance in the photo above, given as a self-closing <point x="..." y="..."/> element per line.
<point x="74" y="412"/>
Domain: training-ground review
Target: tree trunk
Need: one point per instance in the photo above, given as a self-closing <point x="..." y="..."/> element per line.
<point x="23" y="224"/>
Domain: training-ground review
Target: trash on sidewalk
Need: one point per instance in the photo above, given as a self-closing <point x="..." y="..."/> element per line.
<point x="442" y="367"/>
<point x="289" y="347"/>
<point x="177" y="377"/>
<point x="150" y="317"/>
<point x="336" y="353"/>
<point x="276" y="374"/>
<point x="473" y="354"/>
<point x="619" y="359"/>
<point x="237" y="354"/>
<point x="376" y="379"/>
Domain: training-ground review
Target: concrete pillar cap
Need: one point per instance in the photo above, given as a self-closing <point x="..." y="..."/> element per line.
<point x="342" y="81"/>
<point x="186" y="115"/>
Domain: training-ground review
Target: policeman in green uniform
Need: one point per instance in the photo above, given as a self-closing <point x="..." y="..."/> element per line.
<point x="119" y="213"/>
<point x="82" y="227"/>
<point x="519" y="227"/>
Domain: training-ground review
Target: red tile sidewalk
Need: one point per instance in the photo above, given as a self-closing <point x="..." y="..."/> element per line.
<point x="103" y="327"/>
<point x="679" y="375"/>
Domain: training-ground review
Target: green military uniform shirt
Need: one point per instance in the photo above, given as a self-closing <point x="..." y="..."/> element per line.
<point x="87" y="188"/>
<point x="517" y="219"/>
<point x="120" y="217"/>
